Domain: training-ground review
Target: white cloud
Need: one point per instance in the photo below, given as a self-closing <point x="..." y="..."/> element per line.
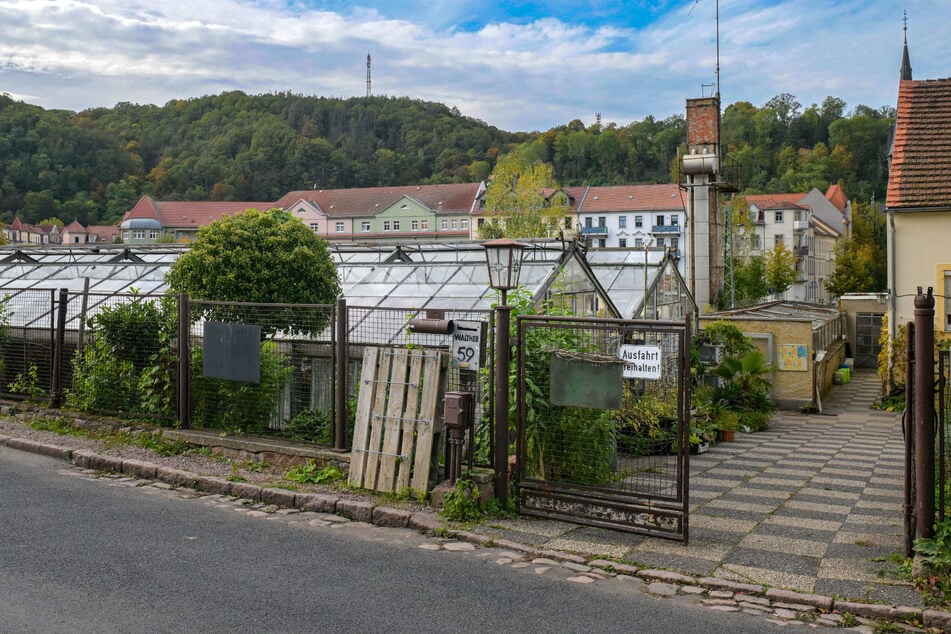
<point x="514" y="73"/>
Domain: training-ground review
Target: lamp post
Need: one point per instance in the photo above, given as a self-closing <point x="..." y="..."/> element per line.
<point x="648" y="243"/>
<point x="503" y="258"/>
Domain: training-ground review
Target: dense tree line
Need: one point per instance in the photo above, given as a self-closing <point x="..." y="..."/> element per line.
<point x="94" y="165"/>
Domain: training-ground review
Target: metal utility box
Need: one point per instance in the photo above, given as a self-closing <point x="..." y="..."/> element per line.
<point x="458" y="409"/>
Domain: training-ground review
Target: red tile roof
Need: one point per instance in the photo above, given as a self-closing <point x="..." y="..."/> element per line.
<point x="189" y="213"/>
<point x="920" y="173"/>
<point x="451" y="198"/>
<point x="774" y="201"/>
<point x="837" y="197"/>
<point x="632" y="198"/>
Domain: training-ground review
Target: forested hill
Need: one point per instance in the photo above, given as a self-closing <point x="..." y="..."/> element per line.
<point x="94" y="165"/>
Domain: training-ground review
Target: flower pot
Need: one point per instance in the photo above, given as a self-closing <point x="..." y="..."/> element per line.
<point x="699" y="448"/>
<point x="726" y="435"/>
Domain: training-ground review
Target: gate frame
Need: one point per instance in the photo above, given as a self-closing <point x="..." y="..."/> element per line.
<point x="576" y="500"/>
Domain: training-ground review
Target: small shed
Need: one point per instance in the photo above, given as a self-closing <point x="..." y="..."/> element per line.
<point x="864" y="313"/>
<point x="803" y="343"/>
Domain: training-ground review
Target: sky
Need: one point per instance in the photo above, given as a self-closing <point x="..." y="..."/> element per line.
<point x="520" y="65"/>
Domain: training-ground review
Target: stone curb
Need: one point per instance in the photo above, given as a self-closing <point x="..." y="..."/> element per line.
<point x="363" y="511"/>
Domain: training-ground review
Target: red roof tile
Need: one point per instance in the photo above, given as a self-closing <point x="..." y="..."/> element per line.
<point x="451" y="198"/>
<point x="774" y="201"/>
<point x="920" y="173"/>
<point x="189" y="213"/>
<point x="633" y="198"/>
<point x="837" y="197"/>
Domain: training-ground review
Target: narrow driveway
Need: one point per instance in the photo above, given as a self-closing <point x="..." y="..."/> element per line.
<point x="811" y="504"/>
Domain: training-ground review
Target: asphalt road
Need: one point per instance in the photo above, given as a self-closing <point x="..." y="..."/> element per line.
<point x="86" y="554"/>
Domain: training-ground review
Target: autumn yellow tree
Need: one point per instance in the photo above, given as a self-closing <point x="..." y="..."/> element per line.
<point x="519" y="201"/>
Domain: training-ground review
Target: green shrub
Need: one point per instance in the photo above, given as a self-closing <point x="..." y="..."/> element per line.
<point x="237" y="406"/>
<point x="462" y="503"/>
<point x="311" y="426"/>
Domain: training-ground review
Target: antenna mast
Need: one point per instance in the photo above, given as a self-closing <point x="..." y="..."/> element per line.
<point x="368" y="75"/>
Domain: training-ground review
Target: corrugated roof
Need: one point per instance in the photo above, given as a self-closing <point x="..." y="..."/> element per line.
<point x="459" y="198"/>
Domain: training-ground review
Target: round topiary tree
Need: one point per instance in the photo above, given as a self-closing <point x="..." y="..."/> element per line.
<point x="261" y="257"/>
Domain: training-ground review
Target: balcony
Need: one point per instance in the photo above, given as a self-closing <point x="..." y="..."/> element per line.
<point x="800" y="252"/>
<point x="800" y="225"/>
<point x="666" y="229"/>
<point x="596" y="232"/>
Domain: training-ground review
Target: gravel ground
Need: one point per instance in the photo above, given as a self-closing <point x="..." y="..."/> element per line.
<point x="17" y="425"/>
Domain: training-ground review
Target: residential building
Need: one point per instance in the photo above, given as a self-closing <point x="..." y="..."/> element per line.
<point x="19" y="232"/>
<point x="391" y="215"/>
<point x="918" y="200"/>
<point x="808" y="225"/>
<point x="152" y="221"/>
<point x="567" y="198"/>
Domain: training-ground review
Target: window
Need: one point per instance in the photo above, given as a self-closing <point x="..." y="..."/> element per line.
<point x="567" y="222"/>
<point x="396" y="225"/>
<point x="315" y="227"/>
<point x="674" y="221"/>
<point x="153" y="235"/>
<point x="660" y="243"/>
<point x="424" y="225"/>
<point x="414" y="225"/>
<point x="798" y="215"/>
<point x="443" y="224"/>
<point x="674" y="242"/>
<point x="480" y="223"/>
<point x="464" y="223"/>
<point x="622" y="222"/>
<point x="778" y="217"/>
<point x="638" y="242"/>
<point x="602" y="222"/>
<point x="365" y="226"/>
<point x="660" y="221"/>
<point x="754" y="241"/>
<point x="138" y="234"/>
<point x="588" y="222"/>
<point x="125" y="235"/>
<point x="778" y="240"/>
<point x="622" y="242"/>
<point x="386" y="225"/>
<point x="602" y="243"/>
<point x="638" y="222"/>
<point x="455" y="223"/>
<point x="339" y="227"/>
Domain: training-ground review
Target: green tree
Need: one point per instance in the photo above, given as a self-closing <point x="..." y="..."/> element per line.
<point x="860" y="262"/>
<point x="516" y="203"/>
<point x="780" y="269"/>
<point x="257" y="256"/>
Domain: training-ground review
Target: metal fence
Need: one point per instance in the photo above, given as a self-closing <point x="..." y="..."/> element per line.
<point x="603" y="433"/>
<point x="291" y="371"/>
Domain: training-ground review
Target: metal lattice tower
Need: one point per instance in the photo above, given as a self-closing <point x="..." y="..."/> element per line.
<point x="368" y="75"/>
<point x="729" y="278"/>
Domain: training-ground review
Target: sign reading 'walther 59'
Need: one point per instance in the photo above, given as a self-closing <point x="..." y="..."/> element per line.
<point x="640" y="362"/>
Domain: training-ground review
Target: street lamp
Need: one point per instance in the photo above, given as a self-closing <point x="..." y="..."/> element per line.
<point x="503" y="257"/>
<point x="648" y="243"/>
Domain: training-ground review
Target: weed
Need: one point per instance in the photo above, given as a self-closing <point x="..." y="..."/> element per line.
<point x="28" y="383"/>
<point x="235" y="475"/>
<point x="884" y="627"/>
<point x="462" y="503"/>
<point x="311" y="474"/>
<point x="57" y="425"/>
<point x="442" y="533"/>
<point x="849" y="620"/>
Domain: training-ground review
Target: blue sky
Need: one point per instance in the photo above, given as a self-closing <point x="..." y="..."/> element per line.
<point x="518" y="64"/>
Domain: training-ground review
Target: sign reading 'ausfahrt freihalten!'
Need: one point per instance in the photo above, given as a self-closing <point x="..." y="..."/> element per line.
<point x="640" y="362"/>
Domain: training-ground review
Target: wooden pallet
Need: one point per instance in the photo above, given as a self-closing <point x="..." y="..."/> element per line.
<point x="398" y="419"/>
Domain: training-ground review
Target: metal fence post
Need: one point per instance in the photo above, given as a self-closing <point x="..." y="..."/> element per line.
<point x="908" y="428"/>
<point x="56" y="376"/>
<point x="184" y="362"/>
<point x="924" y="414"/>
<point x="341" y="374"/>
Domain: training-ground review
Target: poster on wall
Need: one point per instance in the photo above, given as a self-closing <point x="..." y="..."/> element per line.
<point x="792" y="357"/>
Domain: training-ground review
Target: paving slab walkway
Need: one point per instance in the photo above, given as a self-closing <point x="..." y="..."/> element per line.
<point x="812" y="504"/>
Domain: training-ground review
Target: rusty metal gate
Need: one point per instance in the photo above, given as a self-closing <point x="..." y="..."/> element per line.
<point x="603" y="423"/>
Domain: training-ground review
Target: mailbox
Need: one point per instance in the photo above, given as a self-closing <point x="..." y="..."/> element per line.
<point x="457" y="410"/>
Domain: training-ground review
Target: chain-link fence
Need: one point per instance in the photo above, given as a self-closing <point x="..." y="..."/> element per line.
<point x="262" y="369"/>
<point x="27" y="329"/>
<point x="603" y="434"/>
